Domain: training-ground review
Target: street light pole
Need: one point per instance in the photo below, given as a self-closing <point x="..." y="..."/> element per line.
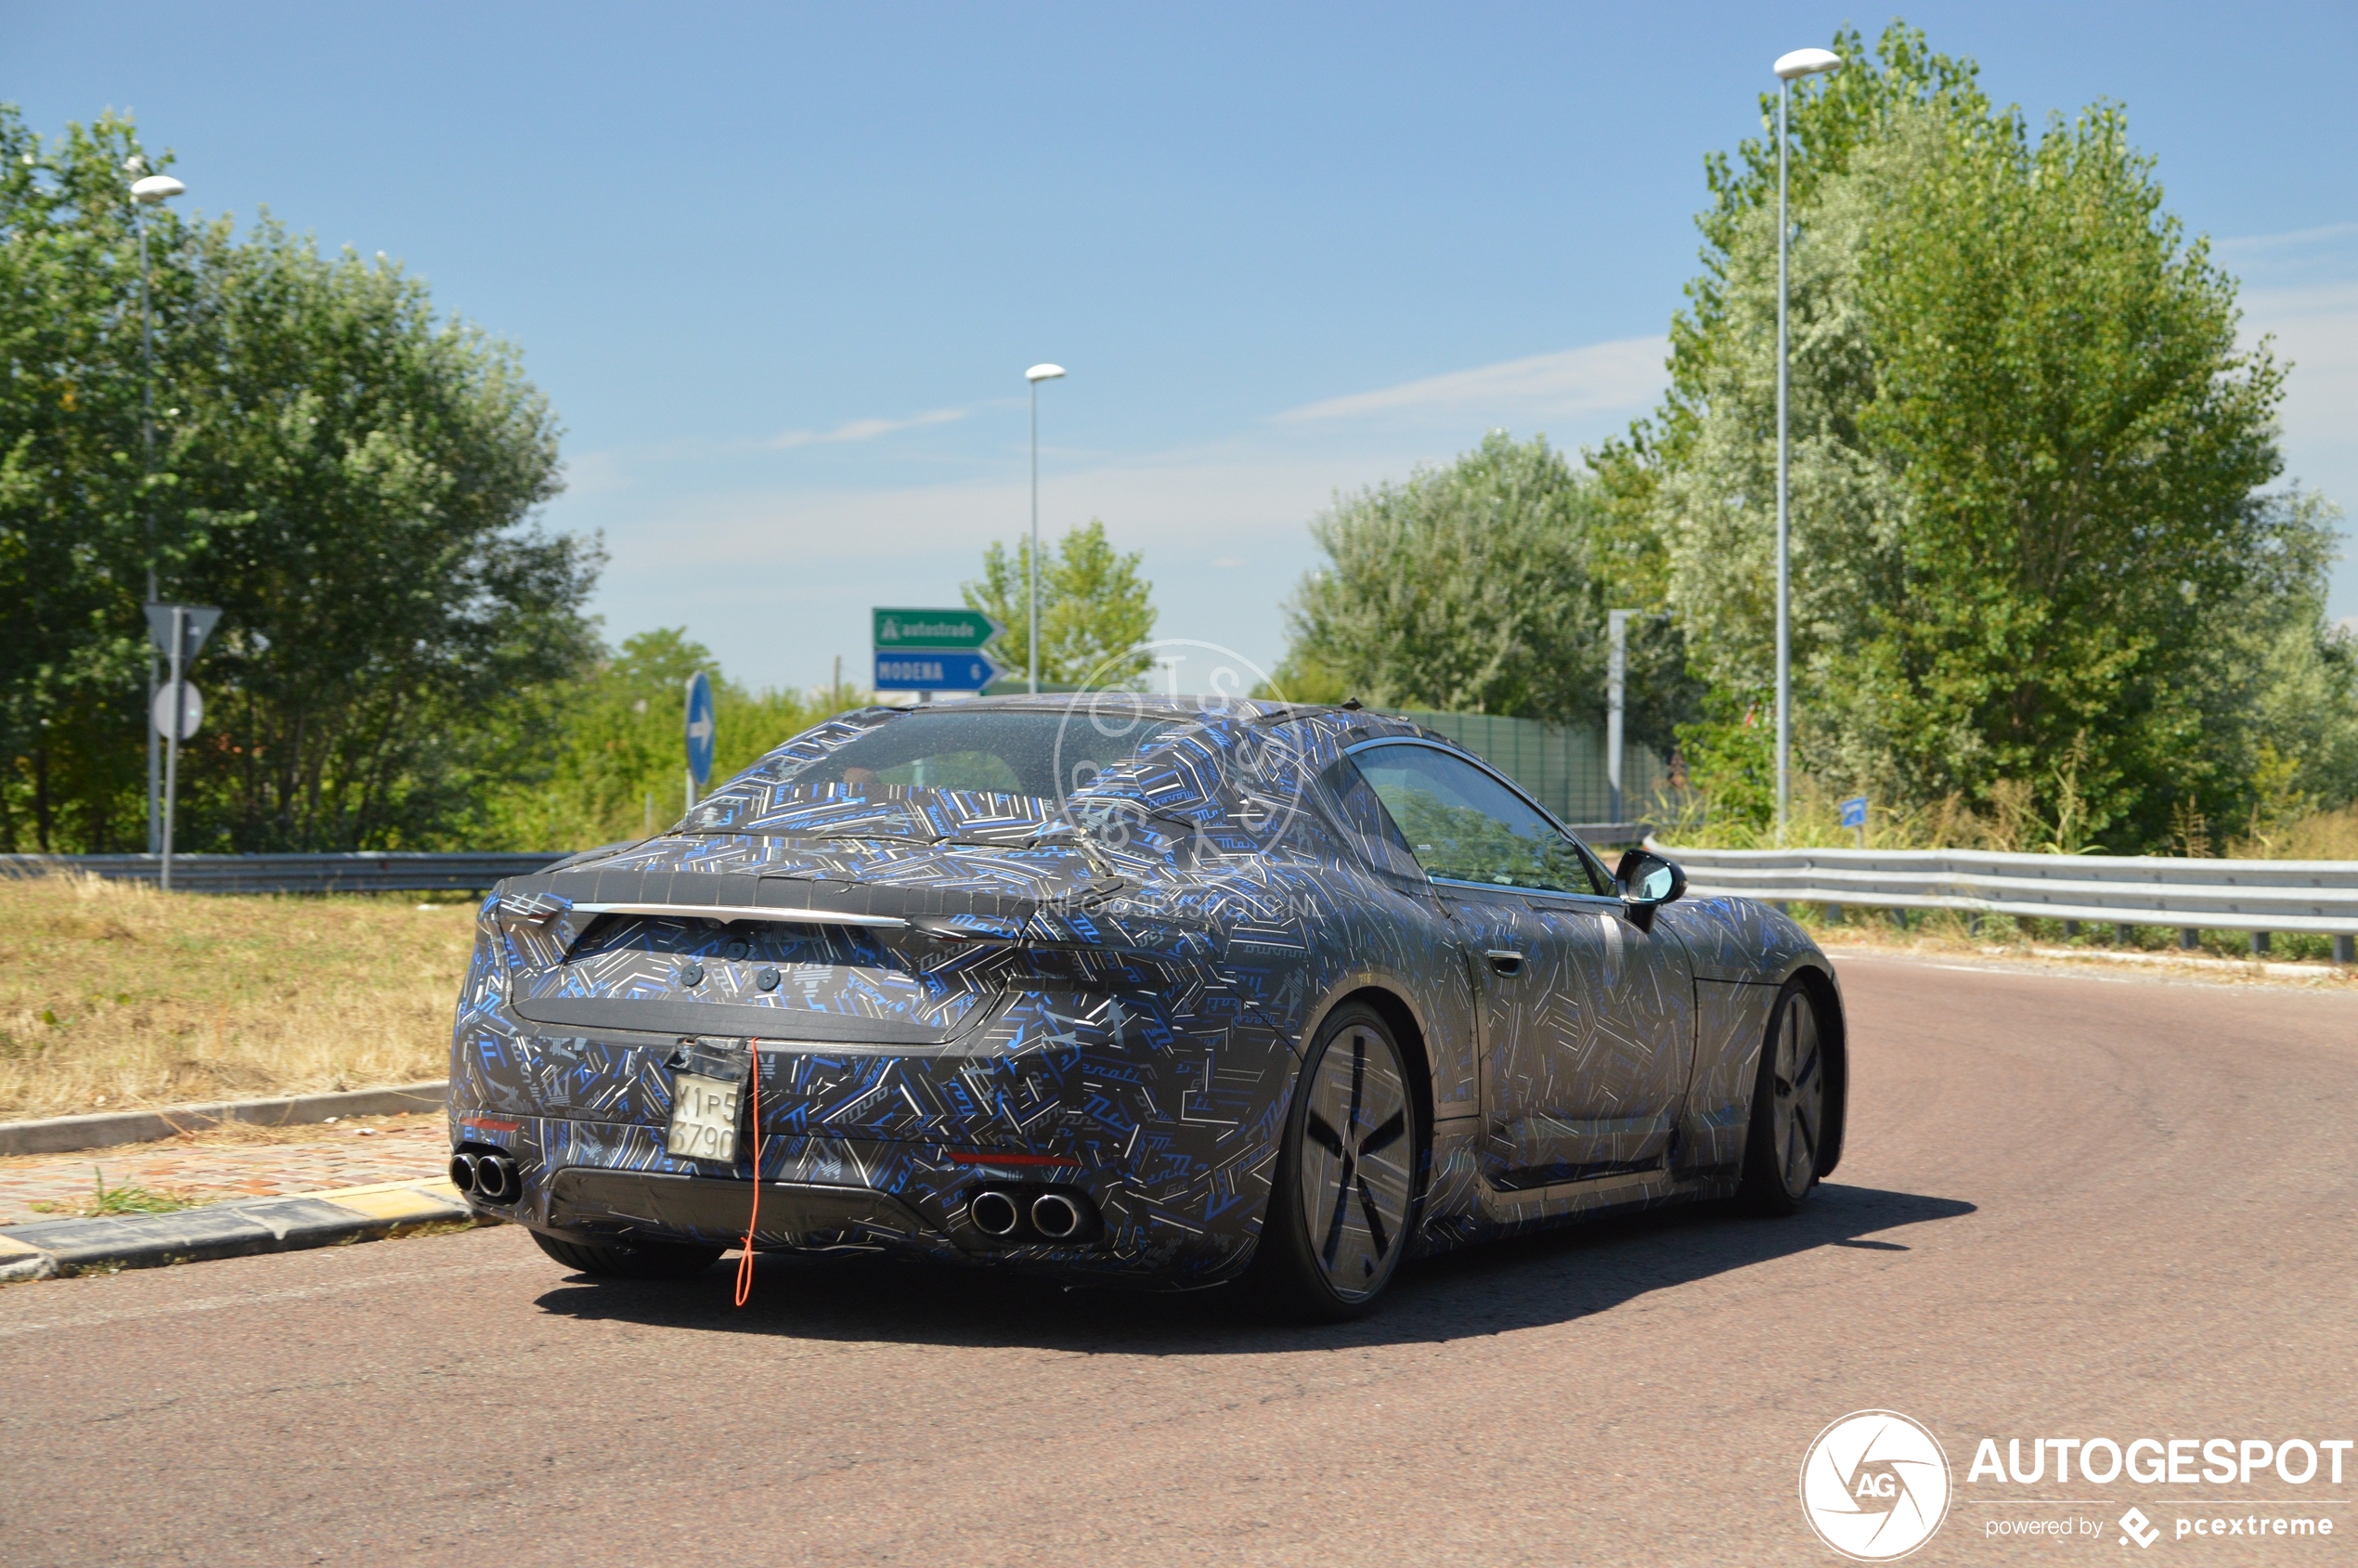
<point x="1616" y="671"/>
<point x="1799" y="63"/>
<point x="1037" y="374"/>
<point x="145" y="193"/>
<point x="172" y="741"/>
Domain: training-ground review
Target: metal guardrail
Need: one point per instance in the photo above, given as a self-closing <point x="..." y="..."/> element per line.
<point x="395" y="871"/>
<point x="399" y="871"/>
<point x="1594" y="833"/>
<point x="2310" y="896"/>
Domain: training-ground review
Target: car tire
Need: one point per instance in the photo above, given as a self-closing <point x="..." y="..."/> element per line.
<point x="643" y="1259"/>
<point x="1788" y="1107"/>
<point x="1343" y="1199"/>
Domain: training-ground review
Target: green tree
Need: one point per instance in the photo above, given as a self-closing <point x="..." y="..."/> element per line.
<point x="2031" y="540"/>
<point x="1096" y="610"/>
<point x="349" y="476"/>
<point x="619" y="768"/>
<point x="1301" y="678"/>
<point x="73" y="550"/>
<point x="1481" y="587"/>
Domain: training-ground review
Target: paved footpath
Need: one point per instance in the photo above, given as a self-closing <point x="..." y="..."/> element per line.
<point x="218" y="1167"/>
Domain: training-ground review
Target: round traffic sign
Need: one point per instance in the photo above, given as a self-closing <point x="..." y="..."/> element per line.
<point x="700" y="728"/>
<point x="191" y="712"/>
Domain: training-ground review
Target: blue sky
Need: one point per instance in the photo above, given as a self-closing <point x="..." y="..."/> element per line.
<point x="781" y="269"/>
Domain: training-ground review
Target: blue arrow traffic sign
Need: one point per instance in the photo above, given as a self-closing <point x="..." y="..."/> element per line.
<point x="900" y="671"/>
<point x="700" y="728"/>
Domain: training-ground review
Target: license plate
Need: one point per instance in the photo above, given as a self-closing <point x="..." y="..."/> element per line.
<point x="704" y="1118"/>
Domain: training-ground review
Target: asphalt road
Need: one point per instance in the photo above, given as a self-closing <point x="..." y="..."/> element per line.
<point x="2072" y="1207"/>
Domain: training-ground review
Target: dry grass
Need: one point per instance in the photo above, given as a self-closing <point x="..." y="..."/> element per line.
<point x="2011" y="822"/>
<point x="2324" y="836"/>
<point x="115" y="996"/>
<point x="1947" y="932"/>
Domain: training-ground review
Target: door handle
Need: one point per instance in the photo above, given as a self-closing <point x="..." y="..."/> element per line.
<point x="1504" y="960"/>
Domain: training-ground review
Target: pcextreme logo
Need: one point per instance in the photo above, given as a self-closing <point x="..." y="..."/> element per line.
<point x="1874" y="1486"/>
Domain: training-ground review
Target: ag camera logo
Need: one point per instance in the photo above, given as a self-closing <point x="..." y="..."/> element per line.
<point x="1874" y="1486"/>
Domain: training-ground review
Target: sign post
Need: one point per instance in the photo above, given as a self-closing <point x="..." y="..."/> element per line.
<point x="701" y="730"/>
<point x="929" y="651"/>
<point x="178" y="631"/>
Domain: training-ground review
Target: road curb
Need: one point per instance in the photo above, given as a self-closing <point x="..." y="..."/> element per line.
<point x="63" y="1134"/>
<point x="225" y="1230"/>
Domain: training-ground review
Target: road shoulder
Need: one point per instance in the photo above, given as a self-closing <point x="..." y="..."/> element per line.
<point x="101" y="1243"/>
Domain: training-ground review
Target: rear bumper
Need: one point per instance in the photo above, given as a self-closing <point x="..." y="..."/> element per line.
<point x="594" y="1205"/>
<point x="589" y="1181"/>
<point x="1166" y="1121"/>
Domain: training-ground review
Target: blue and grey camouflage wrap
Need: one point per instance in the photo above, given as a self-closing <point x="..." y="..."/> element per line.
<point x="1107" y="993"/>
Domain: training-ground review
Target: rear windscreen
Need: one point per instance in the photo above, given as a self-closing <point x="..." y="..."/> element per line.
<point x="1047" y="754"/>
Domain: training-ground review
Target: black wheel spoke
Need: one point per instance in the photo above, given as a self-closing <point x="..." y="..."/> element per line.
<point x="1358" y="1079"/>
<point x="1334" y="1225"/>
<point x="1386" y="1135"/>
<point x="1806" y="1113"/>
<point x="1799" y="1158"/>
<point x="1807" y="1044"/>
<point x="1376" y="1231"/>
<point x="1317" y="1131"/>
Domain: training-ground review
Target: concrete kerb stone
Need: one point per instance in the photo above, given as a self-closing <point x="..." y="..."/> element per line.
<point x="19" y="1262"/>
<point x="63" y="1134"/>
<point x="225" y="1230"/>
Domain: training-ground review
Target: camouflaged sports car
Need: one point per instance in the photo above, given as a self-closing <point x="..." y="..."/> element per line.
<point x="1130" y="989"/>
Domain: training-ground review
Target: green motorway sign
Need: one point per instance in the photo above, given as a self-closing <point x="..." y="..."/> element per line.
<point x="958" y="631"/>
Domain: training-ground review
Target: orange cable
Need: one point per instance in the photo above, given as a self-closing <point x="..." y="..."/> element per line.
<point x="745" y="1257"/>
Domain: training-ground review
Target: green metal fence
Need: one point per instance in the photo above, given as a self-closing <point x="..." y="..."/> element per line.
<point x="1563" y="768"/>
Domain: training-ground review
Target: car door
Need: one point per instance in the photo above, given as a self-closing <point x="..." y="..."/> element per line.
<point x="1587" y="1020"/>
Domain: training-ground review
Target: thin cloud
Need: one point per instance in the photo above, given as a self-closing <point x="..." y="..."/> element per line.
<point x="862" y="430"/>
<point x="1626" y="373"/>
<point x="2246" y="244"/>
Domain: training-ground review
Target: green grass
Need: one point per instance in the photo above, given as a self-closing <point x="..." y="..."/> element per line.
<point x="128" y="1198"/>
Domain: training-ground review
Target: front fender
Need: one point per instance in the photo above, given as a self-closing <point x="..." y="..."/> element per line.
<point x="1740" y="940"/>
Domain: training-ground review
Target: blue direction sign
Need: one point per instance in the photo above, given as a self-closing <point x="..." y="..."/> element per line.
<point x="1854" y="811"/>
<point x="908" y="671"/>
<point x="700" y="728"/>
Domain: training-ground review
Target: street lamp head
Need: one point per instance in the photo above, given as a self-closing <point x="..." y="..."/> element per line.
<point x="155" y="189"/>
<point x="1806" y="62"/>
<point x="1044" y="373"/>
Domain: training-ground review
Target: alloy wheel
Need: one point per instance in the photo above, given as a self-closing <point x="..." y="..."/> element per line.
<point x="1355" y="1167"/>
<point x="1798" y="1091"/>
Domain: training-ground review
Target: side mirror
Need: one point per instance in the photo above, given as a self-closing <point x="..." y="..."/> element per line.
<point x="1647" y="882"/>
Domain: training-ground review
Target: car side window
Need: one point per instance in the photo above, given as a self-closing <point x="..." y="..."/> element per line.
<point x="1366" y="825"/>
<point x="1464" y="825"/>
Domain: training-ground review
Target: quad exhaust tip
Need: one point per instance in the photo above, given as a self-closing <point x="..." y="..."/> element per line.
<point x="462" y="1171"/>
<point x="994" y="1213"/>
<point x="1055" y="1216"/>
